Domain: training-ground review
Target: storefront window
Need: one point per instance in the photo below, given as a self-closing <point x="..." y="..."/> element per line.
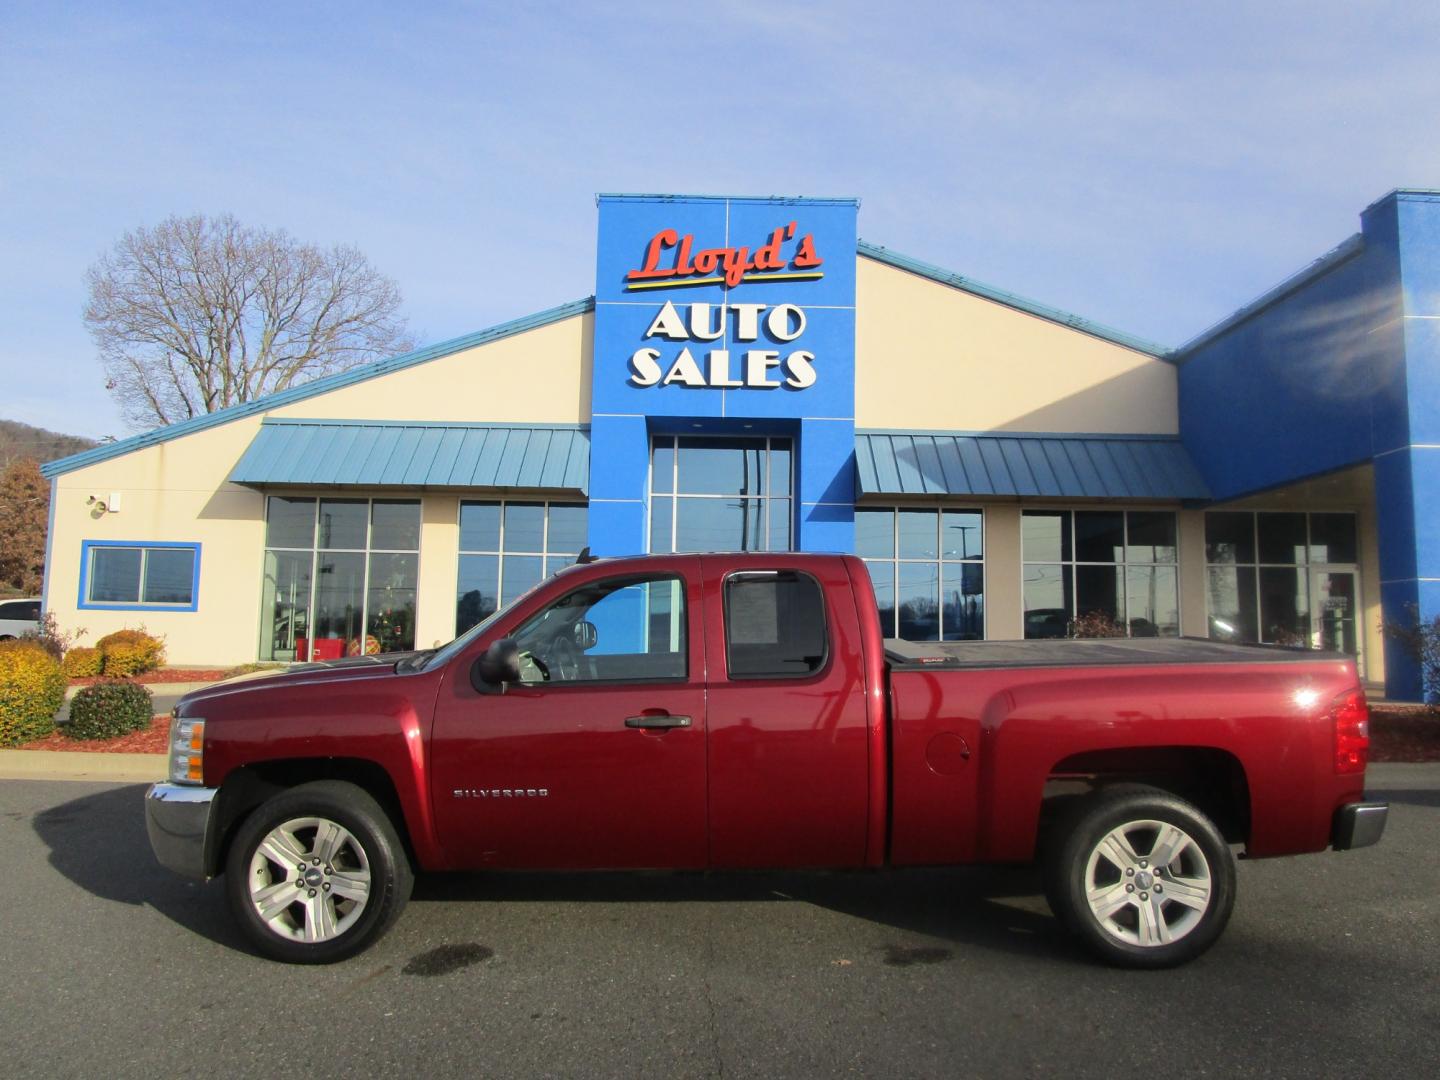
<point x="507" y="548"/>
<point x="1118" y="566"/>
<point x="1269" y="598"/>
<point x="720" y="494"/>
<point x="340" y="577"/>
<point x="928" y="568"/>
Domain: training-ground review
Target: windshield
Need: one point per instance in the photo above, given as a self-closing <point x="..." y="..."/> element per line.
<point x="446" y="653"/>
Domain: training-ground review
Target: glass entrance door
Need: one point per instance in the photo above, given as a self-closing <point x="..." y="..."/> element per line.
<point x="1334" y="611"/>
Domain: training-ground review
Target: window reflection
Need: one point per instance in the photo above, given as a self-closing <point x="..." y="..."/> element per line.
<point x="1123" y="578"/>
<point x="1259" y="571"/>
<point x="720" y="494"/>
<point x="506" y="548"/>
<point x="927" y="568"/>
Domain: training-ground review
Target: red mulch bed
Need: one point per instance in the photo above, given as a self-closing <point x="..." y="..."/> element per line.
<point x="153" y="740"/>
<point x="164" y="675"/>
<point x="1404" y="732"/>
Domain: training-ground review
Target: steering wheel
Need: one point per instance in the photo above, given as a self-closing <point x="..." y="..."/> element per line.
<point x="540" y="665"/>
<point x="565" y="658"/>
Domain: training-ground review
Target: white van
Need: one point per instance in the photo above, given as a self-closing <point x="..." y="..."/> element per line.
<point x="18" y="617"/>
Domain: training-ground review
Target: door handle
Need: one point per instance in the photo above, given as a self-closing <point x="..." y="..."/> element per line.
<point x="654" y="722"/>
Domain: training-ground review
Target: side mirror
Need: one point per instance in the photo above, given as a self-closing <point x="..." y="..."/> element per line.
<point x="497" y="665"/>
<point x="586" y="635"/>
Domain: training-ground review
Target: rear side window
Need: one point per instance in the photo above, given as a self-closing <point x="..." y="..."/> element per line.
<point x="774" y="625"/>
<point x="22" y="610"/>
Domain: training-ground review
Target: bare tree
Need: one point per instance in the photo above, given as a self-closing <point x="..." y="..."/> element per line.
<point x="200" y="313"/>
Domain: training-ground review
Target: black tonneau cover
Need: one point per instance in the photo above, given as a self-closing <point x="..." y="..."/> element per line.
<point x="1089" y="652"/>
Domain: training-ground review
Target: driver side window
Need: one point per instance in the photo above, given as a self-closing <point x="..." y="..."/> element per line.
<point x="628" y="629"/>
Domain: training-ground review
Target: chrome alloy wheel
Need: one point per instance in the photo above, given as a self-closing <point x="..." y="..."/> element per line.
<point x="309" y="879"/>
<point x="1148" y="883"/>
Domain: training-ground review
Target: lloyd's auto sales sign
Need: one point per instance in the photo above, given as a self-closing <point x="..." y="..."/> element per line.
<point x="705" y="344"/>
<point x="724" y="307"/>
<point x="723" y="316"/>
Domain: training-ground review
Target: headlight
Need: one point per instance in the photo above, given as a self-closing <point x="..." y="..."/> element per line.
<point x="187" y="750"/>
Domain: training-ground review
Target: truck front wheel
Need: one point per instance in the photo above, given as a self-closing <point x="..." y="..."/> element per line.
<point x="1141" y="877"/>
<point x="317" y="873"/>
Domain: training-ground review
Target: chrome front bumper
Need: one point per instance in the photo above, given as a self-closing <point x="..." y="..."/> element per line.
<point x="181" y="822"/>
<point x="1359" y="825"/>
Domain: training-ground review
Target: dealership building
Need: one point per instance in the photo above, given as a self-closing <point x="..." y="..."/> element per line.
<point x="750" y="375"/>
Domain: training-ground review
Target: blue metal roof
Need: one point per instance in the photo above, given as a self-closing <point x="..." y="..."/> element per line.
<point x="1037" y="465"/>
<point x="293" y="394"/>
<point x="1009" y="299"/>
<point x="378" y="453"/>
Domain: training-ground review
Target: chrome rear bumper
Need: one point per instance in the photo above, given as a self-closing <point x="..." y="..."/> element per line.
<point x="1359" y="825"/>
<point x="181" y="822"/>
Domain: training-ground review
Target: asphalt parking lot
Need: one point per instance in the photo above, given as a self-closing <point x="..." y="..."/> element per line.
<point x="113" y="966"/>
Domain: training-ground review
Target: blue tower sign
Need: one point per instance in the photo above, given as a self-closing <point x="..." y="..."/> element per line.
<point x="724" y="316"/>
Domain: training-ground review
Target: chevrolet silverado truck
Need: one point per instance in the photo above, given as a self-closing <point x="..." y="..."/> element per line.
<point x="732" y="712"/>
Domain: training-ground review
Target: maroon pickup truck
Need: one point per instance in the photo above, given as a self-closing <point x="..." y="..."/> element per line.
<point x="742" y="711"/>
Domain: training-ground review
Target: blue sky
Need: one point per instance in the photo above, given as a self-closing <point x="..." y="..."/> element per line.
<point x="1150" y="166"/>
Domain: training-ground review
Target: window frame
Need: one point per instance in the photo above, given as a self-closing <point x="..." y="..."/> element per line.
<point x="545" y="555"/>
<point x="87" y="557"/>
<point x="315" y="551"/>
<point x="1309" y="565"/>
<point x="820" y="671"/>
<point x="1124" y="510"/>
<point x="675" y="495"/>
<point x="896" y="560"/>
<point x="628" y="579"/>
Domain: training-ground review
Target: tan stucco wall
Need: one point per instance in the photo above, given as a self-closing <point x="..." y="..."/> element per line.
<point x="1004" y="606"/>
<point x="1194" y="598"/>
<point x="176" y="490"/>
<point x="930" y="356"/>
<point x="539" y="377"/>
<point x="172" y="491"/>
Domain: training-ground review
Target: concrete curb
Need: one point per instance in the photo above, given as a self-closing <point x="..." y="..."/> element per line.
<point x="81" y="765"/>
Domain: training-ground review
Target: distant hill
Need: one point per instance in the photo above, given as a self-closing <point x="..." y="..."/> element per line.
<point x="22" y="440"/>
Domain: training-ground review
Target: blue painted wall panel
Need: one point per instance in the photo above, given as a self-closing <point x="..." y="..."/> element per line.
<point x="1286" y="394"/>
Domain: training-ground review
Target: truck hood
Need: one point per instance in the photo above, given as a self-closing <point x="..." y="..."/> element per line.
<point x="319" y="671"/>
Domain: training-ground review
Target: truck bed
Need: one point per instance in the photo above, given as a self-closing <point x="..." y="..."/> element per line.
<point x="1089" y="652"/>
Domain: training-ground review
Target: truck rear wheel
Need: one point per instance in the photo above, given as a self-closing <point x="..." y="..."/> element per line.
<point x="1143" y="878"/>
<point x="317" y="873"/>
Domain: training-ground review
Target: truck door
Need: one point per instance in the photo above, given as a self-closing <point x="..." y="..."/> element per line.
<point x="786" y="714"/>
<point x="597" y="758"/>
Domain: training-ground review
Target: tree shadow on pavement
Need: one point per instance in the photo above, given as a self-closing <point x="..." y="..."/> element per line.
<point x="98" y="841"/>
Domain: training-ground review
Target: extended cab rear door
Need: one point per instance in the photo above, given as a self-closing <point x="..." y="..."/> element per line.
<point x="786" y="713"/>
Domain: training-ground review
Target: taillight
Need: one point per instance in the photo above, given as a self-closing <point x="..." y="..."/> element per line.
<point x="1352" y="731"/>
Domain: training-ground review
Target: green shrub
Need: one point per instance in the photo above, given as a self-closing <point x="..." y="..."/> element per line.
<point x="130" y="652"/>
<point x="82" y="662"/>
<point x="108" y="709"/>
<point x="32" y="689"/>
<point x="121" y="660"/>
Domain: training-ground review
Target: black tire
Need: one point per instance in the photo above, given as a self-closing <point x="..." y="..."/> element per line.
<point x="1145" y="931"/>
<point x="372" y="847"/>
